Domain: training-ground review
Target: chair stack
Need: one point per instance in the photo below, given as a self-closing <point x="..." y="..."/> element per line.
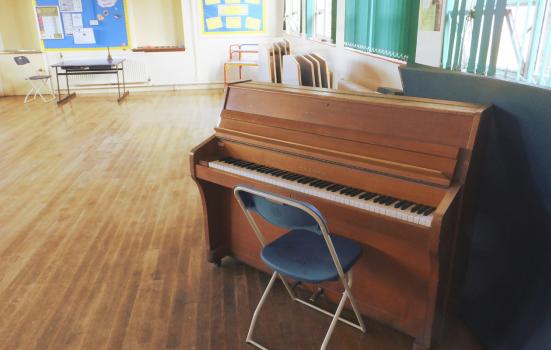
<point x="270" y="60"/>
<point x="277" y="65"/>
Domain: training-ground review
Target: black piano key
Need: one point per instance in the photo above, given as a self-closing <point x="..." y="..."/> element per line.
<point x="365" y="194"/>
<point x="345" y="190"/>
<point x="390" y="201"/>
<point x="226" y="159"/>
<point x="355" y="192"/>
<point x="254" y="167"/>
<point x="309" y="181"/>
<point x="406" y="205"/>
<point x="313" y="183"/>
<point x="415" y="208"/>
<point x="278" y="173"/>
<point x="399" y="204"/>
<point x="337" y="188"/>
<point x="422" y="209"/>
<point x="326" y="185"/>
<point x="295" y="177"/>
<point x="263" y="170"/>
<point x="369" y="196"/>
<point x="379" y="199"/>
<point x="305" y="180"/>
<point x="429" y="211"/>
<point x="288" y="175"/>
<point x="330" y="188"/>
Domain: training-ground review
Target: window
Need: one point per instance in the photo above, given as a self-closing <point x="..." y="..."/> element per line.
<point x="321" y="19"/>
<point x="382" y="27"/>
<point x="293" y="16"/>
<point x="506" y="39"/>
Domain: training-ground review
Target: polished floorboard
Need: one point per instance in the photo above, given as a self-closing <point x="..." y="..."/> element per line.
<point x="101" y="242"/>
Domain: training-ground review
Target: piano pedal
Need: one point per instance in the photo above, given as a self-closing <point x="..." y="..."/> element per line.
<point x="316" y="295"/>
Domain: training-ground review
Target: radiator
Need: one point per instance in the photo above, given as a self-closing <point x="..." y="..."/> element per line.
<point x="136" y="72"/>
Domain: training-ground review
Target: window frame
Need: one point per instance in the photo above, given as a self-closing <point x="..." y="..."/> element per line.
<point x="311" y="26"/>
<point x="289" y="6"/>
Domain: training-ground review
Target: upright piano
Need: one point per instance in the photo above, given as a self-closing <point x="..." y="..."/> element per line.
<point x="395" y="174"/>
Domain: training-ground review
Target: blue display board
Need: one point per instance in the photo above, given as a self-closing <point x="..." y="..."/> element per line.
<point x="233" y="16"/>
<point x="107" y="19"/>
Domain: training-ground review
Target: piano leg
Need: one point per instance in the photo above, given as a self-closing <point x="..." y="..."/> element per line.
<point x="213" y="258"/>
<point x="216" y="220"/>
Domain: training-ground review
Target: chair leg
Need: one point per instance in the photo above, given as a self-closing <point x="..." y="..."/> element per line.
<point x="257" y="312"/>
<point x="31" y="91"/>
<point x="44" y="84"/>
<point x="288" y="287"/>
<point x="347" y="287"/>
<point x="334" y="322"/>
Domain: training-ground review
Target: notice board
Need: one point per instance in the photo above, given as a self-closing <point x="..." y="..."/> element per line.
<point x="85" y="24"/>
<point x="233" y="16"/>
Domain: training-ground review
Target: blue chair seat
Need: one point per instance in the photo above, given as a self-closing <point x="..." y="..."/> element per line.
<point x="303" y="255"/>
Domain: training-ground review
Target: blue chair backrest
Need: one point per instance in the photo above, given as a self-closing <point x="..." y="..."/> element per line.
<point x="21" y="60"/>
<point x="280" y="214"/>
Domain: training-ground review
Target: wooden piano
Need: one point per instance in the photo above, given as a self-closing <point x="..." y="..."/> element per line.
<point x="393" y="173"/>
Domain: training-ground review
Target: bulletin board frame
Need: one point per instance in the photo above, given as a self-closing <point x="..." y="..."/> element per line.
<point x="99" y="46"/>
<point x="204" y="30"/>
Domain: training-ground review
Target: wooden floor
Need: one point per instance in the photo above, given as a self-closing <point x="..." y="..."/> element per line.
<point x="101" y="242"/>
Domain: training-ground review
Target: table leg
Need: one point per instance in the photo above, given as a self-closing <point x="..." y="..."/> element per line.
<point x="124" y="92"/>
<point x="58" y="88"/>
<point x="69" y="96"/>
<point x="118" y="83"/>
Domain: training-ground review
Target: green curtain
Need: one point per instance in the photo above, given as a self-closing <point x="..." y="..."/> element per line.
<point x="487" y="17"/>
<point x="383" y="27"/>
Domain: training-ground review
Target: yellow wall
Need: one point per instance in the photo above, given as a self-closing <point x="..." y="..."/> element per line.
<point x="17" y="25"/>
<point x="156" y="22"/>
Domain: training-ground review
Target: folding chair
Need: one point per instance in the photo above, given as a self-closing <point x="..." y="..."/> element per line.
<point x="37" y="81"/>
<point x="306" y="253"/>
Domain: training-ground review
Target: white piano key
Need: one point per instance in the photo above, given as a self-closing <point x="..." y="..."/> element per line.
<point x="368" y="205"/>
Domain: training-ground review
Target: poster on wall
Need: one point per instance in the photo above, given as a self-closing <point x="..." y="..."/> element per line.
<point x="70" y="5"/>
<point x="84" y="24"/>
<point x="233" y="16"/>
<point x="49" y="22"/>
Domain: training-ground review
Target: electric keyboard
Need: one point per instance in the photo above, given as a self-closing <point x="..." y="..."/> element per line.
<point x="396" y="174"/>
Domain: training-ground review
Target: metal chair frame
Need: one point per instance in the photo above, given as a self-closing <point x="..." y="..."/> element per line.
<point x="346" y="279"/>
<point x="36" y="84"/>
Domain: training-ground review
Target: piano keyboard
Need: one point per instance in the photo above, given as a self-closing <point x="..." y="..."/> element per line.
<point x="358" y="198"/>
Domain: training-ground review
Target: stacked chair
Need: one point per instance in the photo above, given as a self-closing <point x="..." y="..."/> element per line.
<point x="276" y="64"/>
